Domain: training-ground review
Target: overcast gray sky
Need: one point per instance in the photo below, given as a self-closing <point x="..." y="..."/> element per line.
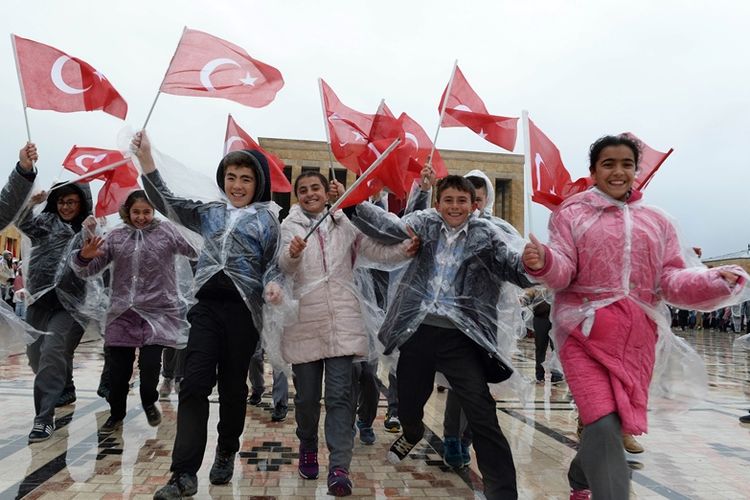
<point x="676" y="73"/>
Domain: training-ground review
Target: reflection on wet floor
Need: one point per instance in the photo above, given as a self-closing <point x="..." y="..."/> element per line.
<point x="700" y="453"/>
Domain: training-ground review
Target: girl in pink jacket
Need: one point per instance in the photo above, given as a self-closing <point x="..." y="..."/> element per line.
<point x="613" y="262"/>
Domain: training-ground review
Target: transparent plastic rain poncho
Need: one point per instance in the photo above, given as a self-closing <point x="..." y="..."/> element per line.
<point x="320" y="285"/>
<point x="488" y="262"/>
<point x="48" y="245"/>
<point x="146" y="268"/>
<point x="604" y="251"/>
<point x="15" y="334"/>
<point x="238" y="244"/>
<point x="13" y="196"/>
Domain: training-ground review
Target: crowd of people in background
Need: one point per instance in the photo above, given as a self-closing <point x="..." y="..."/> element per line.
<point x="732" y="319"/>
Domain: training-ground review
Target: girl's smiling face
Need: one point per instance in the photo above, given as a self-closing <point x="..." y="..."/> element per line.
<point x="311" y="194"/>
<point x="141" y="214"/>
<point x="614" y="171"/>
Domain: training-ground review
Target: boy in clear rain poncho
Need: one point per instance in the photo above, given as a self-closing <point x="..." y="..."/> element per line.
<point x="443" y="317"/>
<point x="147" y="310"/>
<point x="56" y="298"/>
<point x="240" y="237"/>
<point x="612" y="262"/>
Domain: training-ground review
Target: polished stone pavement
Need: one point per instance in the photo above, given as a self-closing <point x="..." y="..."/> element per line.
<point x="700" y="453"/>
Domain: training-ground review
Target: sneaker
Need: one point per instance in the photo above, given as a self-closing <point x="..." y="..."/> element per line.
<point x="66" y="398"/>
<point x="223" y="467"/>
<point x="41" y="432"/>
<point x="279" y="413"/>
<point x="400" y="449"/>
<point x="110" y="425"/>
<point x="254" y="399"/>
<point x="339" y="484"/>
<point x="308" y="464"/>
<point x="466" y="453"/>
<point x="745" y="419"/>
<point x="166" y="388"/>
<point x="452" y="452"/>
<point x="103" y="391"/>
<point x="630" y="444"/>
<point x="366" y="434"/>
<point x="580" y="494"/>
<point x="392" y="423"/>
<point x="153" y="415"/>
<point x="181" y="484"/>
<point x="556" y="378"/>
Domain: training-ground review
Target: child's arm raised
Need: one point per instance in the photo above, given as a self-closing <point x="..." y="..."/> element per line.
<point x="20" y="182"/>
<point x="92" y="258"/>
<point x="385" y="227"/>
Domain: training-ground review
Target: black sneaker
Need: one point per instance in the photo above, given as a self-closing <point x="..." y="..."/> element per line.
<point x="279" y="413"/>
<point x="392" y="423"/>
<point x="400" y="450"/>
<point x="153" y="415"/>
<point x="181" y="484"/>
<point x="66" y="398"/>
<point x="745" y="419"/>
<point x="41" y="432"/>
<point x="223" y="467"/>
<point x="110" y="425"/>
<point x="254" y="399"/>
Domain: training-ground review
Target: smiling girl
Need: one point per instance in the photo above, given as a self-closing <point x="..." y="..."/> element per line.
<point x="146" y="310"/>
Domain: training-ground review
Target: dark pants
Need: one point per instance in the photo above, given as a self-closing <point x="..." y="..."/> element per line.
<point x="120" y="370"/>
<point x="172" y="363"/>
<point x="366" y="390"/>
<point x="454" y="419"/>
<point x="51" y="356"/>
<point x="449" y="351"/>
<point x="542" y="327"/>
<point x="222" y="340"/>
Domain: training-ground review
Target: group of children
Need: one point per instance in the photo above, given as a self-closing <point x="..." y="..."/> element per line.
<point x="611" y="263"/>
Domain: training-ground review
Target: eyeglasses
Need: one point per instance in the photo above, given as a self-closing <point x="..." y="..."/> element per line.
<point x="67" y="203"/>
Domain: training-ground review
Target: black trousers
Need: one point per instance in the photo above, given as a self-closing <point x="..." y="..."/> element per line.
<point x="222" y="341"/>
<point x="121" y="368"/>
<point x="542" y="326"/>
<point x="449" y="351"/>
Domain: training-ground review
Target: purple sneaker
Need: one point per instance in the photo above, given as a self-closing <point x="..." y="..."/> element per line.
<point x="308" y="464"/>
<point x="339" y="484"/>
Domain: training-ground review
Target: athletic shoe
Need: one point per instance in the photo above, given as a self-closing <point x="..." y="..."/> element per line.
<point x="41" y="432"/>
<point x="580" y="494"/>
<point x="181" y="484"/>
<point x="745" y="419"/>
<point x="392" y="423"/>
<point x="279" y="413"/>
<point x="556" y="378"/>
<point x="254" y="399"/>
<point x="223" y="467"/>
<point x="66" y="398"/>
<point x="110" y="425"/>
<point x="339" y="484"/>
<point x="153" y="415"/>
<point x="366" y="434"/>
<point x="452" y="452"/>
<point x="465" y="453"/>
<point x="630" y="444"/>
<point x="308" y="464"/>
<point x="166" y="387"/>
<point x="400" y="450"/>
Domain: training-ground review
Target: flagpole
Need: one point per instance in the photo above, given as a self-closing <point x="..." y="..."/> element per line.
<point x="526" y="173"/>
<point x="354" y="185"/>
<point x="158" y="92"/>
<point x="328" y="133"/>
<point x="23" y="93"/>
<point x="442" y="113"/>
<point x="93" y="173"/>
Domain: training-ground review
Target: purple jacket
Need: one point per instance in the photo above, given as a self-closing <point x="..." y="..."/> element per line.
<point x="143" y="280"/>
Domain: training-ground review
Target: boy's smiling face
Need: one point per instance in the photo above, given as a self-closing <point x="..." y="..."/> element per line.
<point x="239" y="185"/>
<point x="455" y="206"/>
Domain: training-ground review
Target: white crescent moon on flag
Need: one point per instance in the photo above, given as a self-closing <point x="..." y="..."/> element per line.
<point x="96" y="159"/>
<point x="232" y="140"/>
<point x="413" y="138"/>
<point x="56" y="76"/>
<point x="538" y="162"/>
<point x="463" y="107"/>
<point x="210" y="67"/>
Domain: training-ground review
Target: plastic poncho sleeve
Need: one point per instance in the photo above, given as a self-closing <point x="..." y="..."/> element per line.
<point x="93" y="267"/>
<point x="561" y="255"/>
<point x="418" y="199"/>
<point x="35" y="227"/>
<point x="14" y="194"/>
<point x="378" y="252"/>
<point x="509" y="262"/>
<point x="689" y="288"/>
<point x="271" y="248"/>
<point x="181" y="244"/>
<point x="180" y="210"/>
<point x="383" y="227"/>
<point x="287" y="263"/>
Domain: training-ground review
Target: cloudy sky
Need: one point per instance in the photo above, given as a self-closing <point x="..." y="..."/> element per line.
<point x="675" y="73"/>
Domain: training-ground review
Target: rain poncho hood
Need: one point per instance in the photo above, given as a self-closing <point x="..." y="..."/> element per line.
<point x="613" y="266"/>
<point x="488" y="207"/>
<point x="239" y="244"/>
<point x="470" y="301"/>
<point x="144" y="266"/>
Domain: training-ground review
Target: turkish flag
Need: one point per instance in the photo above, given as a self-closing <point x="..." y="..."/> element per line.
<point x="206" y="66"/>
<point x="418" y="144"/>
<point x="53" y="80"/>
<point x="348" y="129"/>
<point x="119" y="182"/>
<point x="649" y="163"/>
<point x="237" y="139"/>
<point x="464" y="108"/>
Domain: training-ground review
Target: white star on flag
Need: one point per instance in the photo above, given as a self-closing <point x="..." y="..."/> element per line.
<point x="248" y="80"/>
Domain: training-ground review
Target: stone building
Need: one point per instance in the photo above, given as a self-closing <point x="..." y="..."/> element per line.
<point x="10" y="239"/>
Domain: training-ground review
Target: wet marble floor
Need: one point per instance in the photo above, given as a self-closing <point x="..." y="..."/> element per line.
<point x="700" y="453"/>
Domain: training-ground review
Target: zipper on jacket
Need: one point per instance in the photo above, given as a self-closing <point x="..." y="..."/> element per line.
<point x="627" y="260"/>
